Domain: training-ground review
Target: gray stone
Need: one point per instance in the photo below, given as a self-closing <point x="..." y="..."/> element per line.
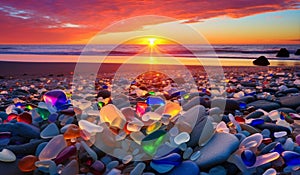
<point x="290" y="101"/>
<point x="265" y="105"/>
<point x="212" y="155"/>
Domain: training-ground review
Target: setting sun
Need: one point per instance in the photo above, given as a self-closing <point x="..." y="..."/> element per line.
<point x="151" y="42"/>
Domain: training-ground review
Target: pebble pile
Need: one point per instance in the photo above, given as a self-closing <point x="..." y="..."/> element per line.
<point x="156" y="128"/>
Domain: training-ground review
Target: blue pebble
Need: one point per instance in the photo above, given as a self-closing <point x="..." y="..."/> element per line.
<point x="256" y="122"/>
<point x="172" y="159"/>
<point x="248" y="157"/>
<point x="297" y="149"/>
<point x="187" y="168"/>
<point x="291" y="158"/>
<point x="268" y="148"/>
<point x="218" y="170"/>
<point x="161" y="168"/>
<point x="155" y="101"/>
<point x="240" y="136"/>
<point x="266" y="133"/>
<point x="3" y="115"/>
<point x="278" y="148"/>
<point x="40" y="148"/>
<point x="52" y="117"/>
<point x="246" y="133"/>
<point x="243" y="105"/>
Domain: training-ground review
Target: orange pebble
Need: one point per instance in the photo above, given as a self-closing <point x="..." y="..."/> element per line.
<point x="73" y="131"/>
<point x="26" y="164"/>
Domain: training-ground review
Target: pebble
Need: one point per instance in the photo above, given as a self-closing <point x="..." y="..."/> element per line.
<point x="182" y="138"/>
<point x="53" y="148"/>
<point x="7" y="156"/>
<point x="26" y="164"/>
<point x="50" y="131"/>
<point x="186" y="167"/>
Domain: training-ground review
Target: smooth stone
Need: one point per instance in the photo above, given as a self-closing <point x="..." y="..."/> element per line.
<point x="71" y="168"/>
<point x="172" y="109"/>
<point x="71" y="131"/>
<point x="40" y="147"/>
<point x="255" y="122"/>
<point x="104" y="94"/>
<point x="215" y="111"/>
<point x="65" y="154"/>
<point x="211" y="154"/>
<point x="46" y="166"/>
<point x="194" y="102"/>
<point x="90" y="151"/>
<point x="7" y="156"/>
<point x="112" y="165"/>
<point x="187" y="153"/>
<point x="289" y="145"/>
<point x="265" y="105"/>
<point x="182" y="138"/>
<point x="248" y="157"/>
<point x="250" y="129"/>
<point x="254" y="114"/>
<point x="164" y="150"/>
<point x="268" y="148"/>
<point x="266" y="133"/>
<point x="222" y="127"/>
<point x="270" y="171"/>
<point x="226" y="104"/>
<point x="52" y="117"/>
<point x="50" y="131"/>
<point x="152" y="100"/>
<point x="195" y="155"/>
<point x="111" y="114"/>
<point x="53" y="148"/>
<point x="138" y="169"/>
<point x="97" y="168"/>
<point x="57" y="98"/>
<point x="280" y="134"/>
<point x="273" y="127"/>
<point x="152" y="141"/>
<point x="18" y="128"/>
<point x="186" y="168"/>
<point x="89" y="127"/>
<point x="261" y="61"/>
<point x="26" y="164"/>
<point x="217" y="170"/>
<point x="25" y="117"/>
<point x="114" y="171"/>
<point x="290" y="101"/>
<point x="161" y="168"/>
<point x="252" y="141"/>
<point x="173" y="159"/>
<point x="291" y="158"/>
<point x="246" y="99"/>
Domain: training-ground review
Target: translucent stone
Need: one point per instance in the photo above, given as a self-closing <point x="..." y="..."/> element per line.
<point x="44" y="113"/>
<point x="47" y="166"/>
<point x="270" y="171"/>
<point x="112" y="115"/>
<point x="151" y="116"/>
<point x="71" y="168"/>
<point x="138" y="169"/>
<point x="222" y="127"/>
<point x="173" y="159"/>
<point x="137" y="137"/>
<point x="291" y="158"/>
<point x="57" y="98"/>
<point x="141" y="108"/>
<point x="274" y="115"/>
<point x="155" y="101"/>
<point x="173" y="131"/>
<point x="25" y="117"/>
<point x="65" y="154"/>
<point x="172" y="109"/>
<point x="127" y="159"/>
<point x="195" y="155"/>
<point x="252" y="141"/>
<point x="97" y="168"/>
<point x="134" y="125"/>
<point x="90" y="127"/>
<point x="72" y="131"/>
<point x="280" y="134"/>
<point x="112" y="165"/>
<point x="53" y="148"/>
<point x="50" y="131"/>
<point x="152" y="141"/>
<point x="289" y="145"/>
<point x="90" y="151"/>
<point x="121" y="136"/>
<point x="187" y="153"/>
<point x="266" y="158"/>
<point x="248" y="157"/>
<point x="7" y="156"/>
<point x="182" y="138"/>
<point x="114" y="171"/>
<point x="255" y="122"/>
<point x="153" y="127"/>
<point x="26" y="164"/>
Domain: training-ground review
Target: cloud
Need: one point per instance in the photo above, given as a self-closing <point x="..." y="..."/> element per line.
<point x="63" y="21"/>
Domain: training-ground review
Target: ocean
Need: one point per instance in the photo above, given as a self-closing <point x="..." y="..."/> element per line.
<point x="70" y="53"/>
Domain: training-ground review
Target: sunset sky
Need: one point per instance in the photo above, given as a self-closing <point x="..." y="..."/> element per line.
<point x="221" y="22"/>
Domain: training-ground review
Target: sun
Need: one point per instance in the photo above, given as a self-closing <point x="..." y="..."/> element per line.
<point x="151" y="42"/>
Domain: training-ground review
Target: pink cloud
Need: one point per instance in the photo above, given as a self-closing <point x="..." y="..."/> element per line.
<point x="60" y="21"/>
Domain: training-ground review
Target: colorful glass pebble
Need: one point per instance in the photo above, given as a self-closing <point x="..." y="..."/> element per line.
<point x="112" y="115"/>
<point x="172" y="109"/>
<point x="57" y="98"/>
<point x="152" y="141"/>
<point x="65" y="154"/>
<point x="173" y="159"/>
<point x="72" y="131"/>
<point x="141" y="108"/>
<point x="5" y="138"/>
<point x="25" y="117"/>
<point x="50" y="131"/>
<point x="256" y="122"/>
<point x="97" y="168"/>
<point x="53" y="148"/>
<point x="291" y="158"/>
<point x="26" y="164"/>
<point x="182" y="138"/>
<point x="151" y="101"/>
<point x="44" y="113"/>
<point x="153" y="127"/>
<point x="243" y="105"/>
<point x="248" y="157"/>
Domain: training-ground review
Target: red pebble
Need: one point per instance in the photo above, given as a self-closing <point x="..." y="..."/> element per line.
<point x="25" y="117"/>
